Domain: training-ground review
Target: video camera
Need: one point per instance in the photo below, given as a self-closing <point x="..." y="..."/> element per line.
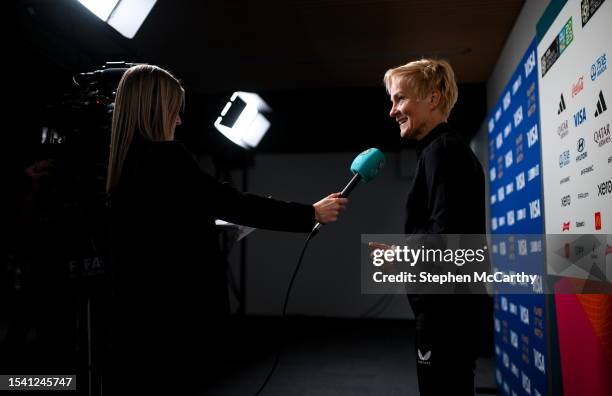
<point x="87" y="107"/>
<point x="75" y="136"/>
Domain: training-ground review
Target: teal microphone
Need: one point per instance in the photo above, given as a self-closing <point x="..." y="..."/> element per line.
<point x="365" y="167"/>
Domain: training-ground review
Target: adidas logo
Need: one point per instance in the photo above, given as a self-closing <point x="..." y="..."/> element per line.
<point x="601" y="105"/>
<point x="424" y="359"/>
<point x="561" y="105"/>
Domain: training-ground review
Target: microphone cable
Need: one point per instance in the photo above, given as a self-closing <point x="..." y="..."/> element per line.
<point x="287" y="295"/>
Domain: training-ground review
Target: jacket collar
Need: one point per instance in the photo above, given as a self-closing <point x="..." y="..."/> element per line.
<point x="431" y="136"/>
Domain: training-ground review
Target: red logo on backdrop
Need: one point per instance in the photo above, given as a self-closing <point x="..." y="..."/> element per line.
<point x="566" y="226"/>
<point x="576" y="88"/>
<point x="598" y="220"/>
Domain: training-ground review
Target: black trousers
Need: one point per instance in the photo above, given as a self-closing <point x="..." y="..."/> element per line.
<point x="449" y="334"/>
<point x="445" y="362"/>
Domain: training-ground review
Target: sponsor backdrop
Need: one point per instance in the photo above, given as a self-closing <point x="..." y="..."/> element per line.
<point x="515" y="173"/>
<point x="576" y="91"/>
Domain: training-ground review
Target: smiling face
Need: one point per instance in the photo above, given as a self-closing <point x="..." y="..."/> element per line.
<point x="413" y="115"/>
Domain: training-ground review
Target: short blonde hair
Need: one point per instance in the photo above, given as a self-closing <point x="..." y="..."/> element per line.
<point x="424" y="76"/>
<point x="147" y="103"/>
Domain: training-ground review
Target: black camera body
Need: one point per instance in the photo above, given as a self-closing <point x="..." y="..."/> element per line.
<point x="76" y="138"/>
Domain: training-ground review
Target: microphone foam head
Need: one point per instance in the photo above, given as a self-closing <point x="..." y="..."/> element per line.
<point x="368" y="164"/>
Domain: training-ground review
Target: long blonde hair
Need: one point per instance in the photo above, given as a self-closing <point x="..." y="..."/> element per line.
<point x="424" y="76"/>
<point x="148" y="102"/>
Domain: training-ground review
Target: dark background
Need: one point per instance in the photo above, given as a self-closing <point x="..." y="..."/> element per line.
<point x="318" y="64"/>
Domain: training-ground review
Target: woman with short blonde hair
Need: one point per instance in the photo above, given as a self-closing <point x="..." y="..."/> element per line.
<point x="446" y="196"/>
<point x="425" y="75"/>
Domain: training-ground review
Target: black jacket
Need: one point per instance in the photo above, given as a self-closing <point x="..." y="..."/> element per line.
<point x="168" y="274"/>
<point x="447" y="196"/>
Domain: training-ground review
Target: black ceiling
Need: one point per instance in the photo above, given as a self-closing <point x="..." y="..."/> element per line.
<point x="317" y="63"/>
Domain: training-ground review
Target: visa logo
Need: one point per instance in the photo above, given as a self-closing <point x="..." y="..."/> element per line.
<point x="532" y="136"/>
<point x="580" y="117"/>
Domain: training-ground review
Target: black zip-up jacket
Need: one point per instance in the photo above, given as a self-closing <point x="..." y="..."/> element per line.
<point x="447" y="196"/>
<point x="448" y="192"/>
<point x="169" y="277"/>
<point x="163" y="212"/>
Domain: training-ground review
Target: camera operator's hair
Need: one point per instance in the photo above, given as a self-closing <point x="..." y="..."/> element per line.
<point x="424" y="76"/>
<point x="148" y="102"/>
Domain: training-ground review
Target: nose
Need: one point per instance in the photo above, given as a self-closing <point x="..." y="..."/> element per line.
<point x="178" y="120"/>
<point x="393" y="111"/>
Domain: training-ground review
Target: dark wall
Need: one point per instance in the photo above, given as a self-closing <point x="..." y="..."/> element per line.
<point x="56" y="39"/>
<point x="324" y="120"/>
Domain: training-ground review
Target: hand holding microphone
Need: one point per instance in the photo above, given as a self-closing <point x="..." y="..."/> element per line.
<point x="328" y="209"/>
<point x="365" y="167"/>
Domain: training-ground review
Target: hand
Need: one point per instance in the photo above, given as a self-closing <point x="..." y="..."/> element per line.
<point x="36" y="171"/>
<point x="327" y="209"/>
<point x="388" y="266"/>
<point x="382" y="246"/>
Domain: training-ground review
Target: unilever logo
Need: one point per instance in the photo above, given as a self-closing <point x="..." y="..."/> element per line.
<point x="600" y="66"/>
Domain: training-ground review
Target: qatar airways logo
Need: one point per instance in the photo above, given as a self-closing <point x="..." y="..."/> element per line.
<point x="563" y="129"/>
<point x="602" y="135"/>
<point x="578" y="86"/>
